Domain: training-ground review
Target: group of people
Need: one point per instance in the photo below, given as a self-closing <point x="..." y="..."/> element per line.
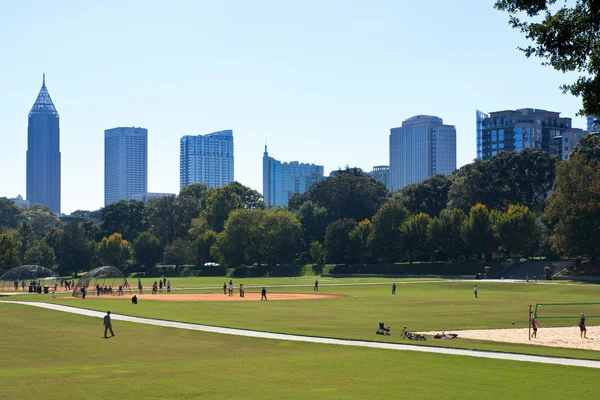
<point x="228" y="289"/>
<point x="582" y="329"/>
<point x="66" y="284"/>
<point x="156" y="286"/>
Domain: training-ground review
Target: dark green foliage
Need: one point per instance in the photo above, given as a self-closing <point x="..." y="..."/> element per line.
<point x="350" y="194"/>
<point x="590" y="147"/>
<point x="386" y="235"/>
<point x="8" y="213"/>
<point x="74" y="250"/>
<point x="567" y="38"/>
<point x="126" y="217"/>
<point x="521" y="178"/>
<point x="429" y="196"/>
<point x="179" y="252"/>
<point x="445" y="233"/>
<point x="314" y="222"/>
<point x="337" y="240"/>
<point x="9" y="251"/>
<point x="147" y="249"/>
<point x="222" y="201"/>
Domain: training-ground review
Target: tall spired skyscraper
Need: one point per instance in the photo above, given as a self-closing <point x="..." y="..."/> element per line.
<point x="43" y="152"/>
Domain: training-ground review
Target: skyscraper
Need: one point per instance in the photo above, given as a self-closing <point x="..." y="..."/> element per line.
<point x="382" y="174"/>
<point x="422" y="147"/>
<point x="282" y="179"/>
<point x="125" y="163"/>
<point x="206" y="159"/>
<point x="525" y="128"/>
<point x="43" y="152"/>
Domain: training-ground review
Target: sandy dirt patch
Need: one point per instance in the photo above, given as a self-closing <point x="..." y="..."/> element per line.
<point x="554" y="337"/>
<point x="215" y="297"/>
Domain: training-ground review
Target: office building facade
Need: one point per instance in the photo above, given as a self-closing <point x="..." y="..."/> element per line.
<point x="421" y="147"/>
<point x="526" y="128"/>
<point x="43" y="152"/>
<point x="150" y="195"/>
<point x="125" y="163"/>
<point x="282" y="179"/>
<point x="382" y="174"/>
<point x="206" y="159"/>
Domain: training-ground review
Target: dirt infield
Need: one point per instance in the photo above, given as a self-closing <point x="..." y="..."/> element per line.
<point x="554" y="337"/>
<point x="216" y="297"/>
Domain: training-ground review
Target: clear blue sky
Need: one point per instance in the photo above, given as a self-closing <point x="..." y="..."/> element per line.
<point x="322" y="80"/>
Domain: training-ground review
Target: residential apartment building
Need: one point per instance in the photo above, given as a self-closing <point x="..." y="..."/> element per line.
<point x="282" y="179"/>
<point x="206" y="159"/>
<point x="421" y="147"/>
<point x="526" y="128"/>
<point x="125" y="163"/>
<point x="382" y="174"/>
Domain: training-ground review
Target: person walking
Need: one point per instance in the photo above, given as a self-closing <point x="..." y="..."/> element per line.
<point x="394" y="288"/>
<point x="534" y="326"/>
<point x="154" y="288"/>
<point x="582" y="330"/>
<point x="169" y="287"/>
<point x="108" y="325"/>
<point x="140" y="288"/>
<point x="263" y="294"/>
<point x="475" y="291"/>
<point x="316" y="289"/>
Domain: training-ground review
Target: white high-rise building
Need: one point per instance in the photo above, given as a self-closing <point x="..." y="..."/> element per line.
<point x="125" y="163"/>
<point x="422" y="147"/>
<point x="206" y="159"/>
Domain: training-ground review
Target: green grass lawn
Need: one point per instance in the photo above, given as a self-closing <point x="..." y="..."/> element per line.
<point x="60" y="355"/>
<point x="444" y="306"/>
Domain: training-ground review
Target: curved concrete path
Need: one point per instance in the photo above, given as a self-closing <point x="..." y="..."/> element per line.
<point x="310" y="339"/>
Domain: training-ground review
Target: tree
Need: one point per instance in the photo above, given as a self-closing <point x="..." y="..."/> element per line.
<point x="359" y="241"/>
<point x="445" y="233"/>
<point x="114" y="251"/>
<point x="317" y="252"/>
<point x="8" y="213"/>
<point x="147" y="249"/>
<point x="574" y="208"/>
<point x="349" y="194"/>
<point x="429" y="196"/>
<point x="40" y="254"/>
<point x="567" y="38"/>
<point x="337" y="240"/>
<point x="74" y="250"/>
<point x="522" y="178"/>
<point x="414" y="236"/>
<point x="126" y="217"/>
<point x="282" y="234"/>
<point x="171" y="217"/>
<point x="517" y="231"/>
<point x="179" y="252"/>
<point x="26" y="239"/>
<point x="9" y="253"/>
<point x="386" y="236"/>
<point x="220" y="202"/>
<point x="203" y="245"/>
<point x="313" y="219"/>
<point x="478" y="233"/>
<point x="589" y="146"/>
<point x="197" y="192"/>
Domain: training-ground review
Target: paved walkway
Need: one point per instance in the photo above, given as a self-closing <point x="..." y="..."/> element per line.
<point x="298" y="338"/>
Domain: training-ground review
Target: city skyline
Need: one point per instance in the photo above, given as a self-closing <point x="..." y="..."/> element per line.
<point x="207" y="159"/>
<point x="329" y="95"/>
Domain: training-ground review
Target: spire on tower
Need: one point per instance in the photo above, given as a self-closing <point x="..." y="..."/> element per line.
<point x="44" y="79"/>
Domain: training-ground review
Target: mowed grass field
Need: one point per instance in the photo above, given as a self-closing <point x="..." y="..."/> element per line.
<point x="61" y="355"/>
<point x="421" y="305"/>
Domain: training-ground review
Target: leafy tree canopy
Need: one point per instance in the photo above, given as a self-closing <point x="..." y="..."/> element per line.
<point x="567" y="38"/>
<point x="429" y="196"/>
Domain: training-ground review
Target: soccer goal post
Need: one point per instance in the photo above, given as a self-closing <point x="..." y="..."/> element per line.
<point x="566" y="310"/>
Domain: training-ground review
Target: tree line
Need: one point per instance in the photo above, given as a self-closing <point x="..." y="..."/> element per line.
<point x="489" y="208"/>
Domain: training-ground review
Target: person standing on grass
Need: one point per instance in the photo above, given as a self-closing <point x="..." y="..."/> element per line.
<point x="164" y="281"/>
<point x="534" y="326"/>
<point x="394" y="288"/>
<point x="169" y="287"/>
<point x="108" y="325"/>
<point x="224" y="288"/>
<point x="475" y="291"/>
<point x="241" y="290"/>
<point x="23" y="284"/>
<point x="83" y="292"/>
<point x="316" y="289"/>
<point x="160" y="284"/>
<point x="231" y="289"/>
<point x="582" y="330"/>
<point x="140" y="288"/>
<point x="263" y="294"/>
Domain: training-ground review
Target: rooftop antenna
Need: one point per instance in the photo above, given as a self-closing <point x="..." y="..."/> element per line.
<point x="44" y="79"/>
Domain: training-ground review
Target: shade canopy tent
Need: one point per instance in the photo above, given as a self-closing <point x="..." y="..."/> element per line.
<point x="102" y="276"/>
<point x="28" y="273"/>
